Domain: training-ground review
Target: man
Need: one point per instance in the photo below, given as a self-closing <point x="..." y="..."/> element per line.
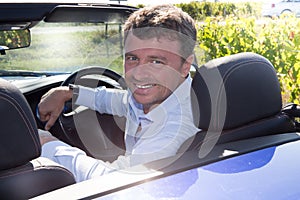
<point x="159" y="42"/>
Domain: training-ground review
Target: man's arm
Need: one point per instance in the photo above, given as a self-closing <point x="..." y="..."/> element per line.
<point x="83" y="167"/>
<point x="52" y="104"/>
<point x="104" y="100"/>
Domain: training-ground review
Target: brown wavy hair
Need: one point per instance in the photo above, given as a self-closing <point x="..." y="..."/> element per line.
<point x="163" y="21"/>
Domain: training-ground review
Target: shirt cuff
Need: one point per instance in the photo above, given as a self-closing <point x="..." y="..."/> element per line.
<point x="86" y="97"/>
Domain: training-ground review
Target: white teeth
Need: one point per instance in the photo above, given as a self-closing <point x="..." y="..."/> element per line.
<point x="144" y="86"/>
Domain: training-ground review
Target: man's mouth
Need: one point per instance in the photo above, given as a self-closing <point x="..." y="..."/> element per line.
<point x="145" y="86"/>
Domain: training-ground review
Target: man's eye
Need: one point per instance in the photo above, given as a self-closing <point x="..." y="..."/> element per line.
<point x="157" y="62"/>
<point x="131" y="58"/>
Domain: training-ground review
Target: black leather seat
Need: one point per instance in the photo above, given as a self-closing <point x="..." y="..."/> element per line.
<point x="237" y="97"/>
<point x="23" y="174"/>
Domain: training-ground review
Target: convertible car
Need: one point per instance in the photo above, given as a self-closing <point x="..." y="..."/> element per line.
<point x="247" y="147"/>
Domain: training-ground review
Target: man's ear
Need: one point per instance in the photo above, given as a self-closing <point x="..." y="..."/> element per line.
<point x="187" y="65"/>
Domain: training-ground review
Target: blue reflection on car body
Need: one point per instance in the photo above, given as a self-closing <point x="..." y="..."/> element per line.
<point x="263" y="174"/>
<point x="242" y="163"/>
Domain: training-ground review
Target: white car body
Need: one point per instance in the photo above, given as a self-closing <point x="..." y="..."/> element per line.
<point x="280" y="7"/>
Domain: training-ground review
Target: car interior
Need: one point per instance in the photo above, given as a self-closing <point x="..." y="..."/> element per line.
<point x="23" y="173"/>
<point x="238" y="97"/>
<point x="236" y="102"/>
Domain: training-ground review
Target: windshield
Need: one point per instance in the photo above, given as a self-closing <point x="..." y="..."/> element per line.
<point x="65" y="47"/>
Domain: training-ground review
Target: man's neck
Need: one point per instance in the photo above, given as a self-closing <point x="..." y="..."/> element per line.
<point x="147" y="108"/>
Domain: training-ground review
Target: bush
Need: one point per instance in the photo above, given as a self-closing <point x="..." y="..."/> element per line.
<point x="201" y="10"/>
<point x="278" y="40"/>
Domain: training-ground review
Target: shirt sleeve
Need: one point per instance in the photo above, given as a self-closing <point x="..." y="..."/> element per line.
<point x="103" y="100"/>
<point x="83" y="167"/>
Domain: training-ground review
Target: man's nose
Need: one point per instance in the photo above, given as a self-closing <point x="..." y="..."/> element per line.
<point x="142" y="70"/>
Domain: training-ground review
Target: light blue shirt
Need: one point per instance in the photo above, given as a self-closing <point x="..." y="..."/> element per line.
<point x="161" y="133"/>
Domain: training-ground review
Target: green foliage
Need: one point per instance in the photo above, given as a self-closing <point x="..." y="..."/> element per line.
<point x="278" y="40"/>
<point x="219" y="38"/>
<point x="15" y="38"/>
<point x="201" y="10"/>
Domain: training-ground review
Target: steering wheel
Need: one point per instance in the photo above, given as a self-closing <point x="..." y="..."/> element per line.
<point x="97" y="134"/>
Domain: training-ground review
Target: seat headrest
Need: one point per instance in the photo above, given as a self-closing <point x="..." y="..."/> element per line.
<point x="19" y="142"/>
<point x="232" y="91"/>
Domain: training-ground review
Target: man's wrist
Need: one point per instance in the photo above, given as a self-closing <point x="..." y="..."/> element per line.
<point x="45" y="137"/>
<point x="75" y="90"/>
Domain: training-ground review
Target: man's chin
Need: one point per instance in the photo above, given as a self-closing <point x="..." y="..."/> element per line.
<point x="141" y="99"/>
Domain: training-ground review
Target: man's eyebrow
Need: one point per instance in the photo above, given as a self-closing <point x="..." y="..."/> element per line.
<point x="129" y="54"/>
<point x="158" y="57"/>
<point x="149" y="56"/>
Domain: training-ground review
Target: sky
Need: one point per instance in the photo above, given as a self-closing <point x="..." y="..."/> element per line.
<point x="149" y="2"/>
<point x="131" y="2"/>
<point x="146" y="2"/>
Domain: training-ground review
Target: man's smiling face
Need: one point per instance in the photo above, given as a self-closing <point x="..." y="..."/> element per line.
<point x="153" y="69"/>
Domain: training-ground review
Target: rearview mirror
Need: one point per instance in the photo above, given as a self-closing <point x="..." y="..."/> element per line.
<point x="14" y="39"/>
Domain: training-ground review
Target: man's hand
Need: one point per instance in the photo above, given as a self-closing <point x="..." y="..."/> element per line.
<point x="52" y="104"/>
<point x="45" y="136"/>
